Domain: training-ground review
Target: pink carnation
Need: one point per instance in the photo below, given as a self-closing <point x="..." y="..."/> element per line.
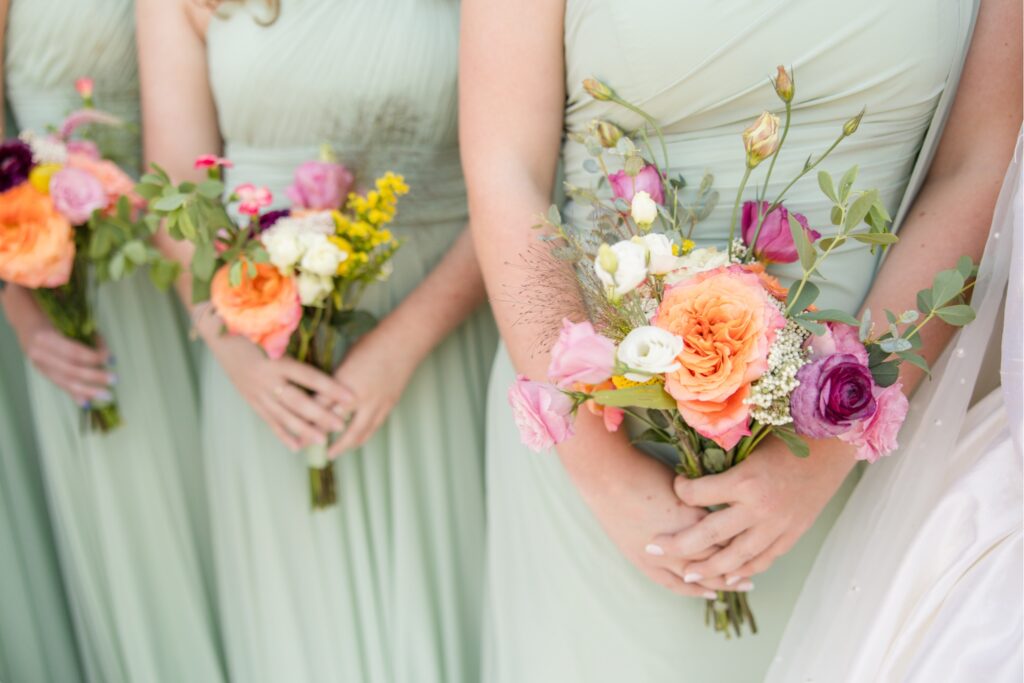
<point x="251" y="198"/>
<point x="76" y="194"/>
<point x="320" y="185"/>
<point x="648" y="180"/>
<point x="542" y="413"/>
<point x="876" y="436"/>
<point x="581" y="355"/>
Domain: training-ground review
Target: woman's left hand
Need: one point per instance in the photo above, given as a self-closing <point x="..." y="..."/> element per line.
<point x="773" y="498"/>
<point x="375" y="370"/>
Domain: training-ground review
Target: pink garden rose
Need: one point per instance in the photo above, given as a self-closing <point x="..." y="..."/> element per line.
<point x="76" y="194"/>
<point x="320" y="185"/>
<point x="876" y="436"/>
<point x="838" y="338"/>
<point x="775" y="241"/>
<point x="251" y="198"/>
<point x="648" y="180"/>
<point x="581" y="355"/>
<point x="542" y="413"/>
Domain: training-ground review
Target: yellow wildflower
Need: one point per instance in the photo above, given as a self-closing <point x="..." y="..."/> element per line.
<point x="40" y="176"/>
<point x="621" y="382"/>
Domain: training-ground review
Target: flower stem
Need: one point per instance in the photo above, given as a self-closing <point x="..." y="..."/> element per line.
<point x="736" y="208"/>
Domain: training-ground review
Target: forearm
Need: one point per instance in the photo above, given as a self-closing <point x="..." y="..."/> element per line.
<point x="448" y="295"/>
<point x="21" y="310"/>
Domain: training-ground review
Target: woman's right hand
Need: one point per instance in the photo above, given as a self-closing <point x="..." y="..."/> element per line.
<point x="74" y="367"/>
<point x="282" y="391"/>
<point x="636" y="497"/>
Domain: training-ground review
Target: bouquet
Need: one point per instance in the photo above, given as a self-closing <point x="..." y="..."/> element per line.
<point x="703" y="347"/>
<point x="68" y="221"/>
<point x="288" y="280"/>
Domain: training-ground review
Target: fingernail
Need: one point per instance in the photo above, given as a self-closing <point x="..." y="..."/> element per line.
<point x="111" y="360"/>
<point x="733" y="580"/>
<point x="112" y="379"/>
<point x="104" y="397"/>
<point x="693" y="577"/>
<point x="656" y="550"/>
<point x="711" y="595"/>
<point x="745" y="587"/>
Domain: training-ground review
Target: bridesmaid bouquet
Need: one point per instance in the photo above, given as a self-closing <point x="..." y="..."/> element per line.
<point x="68" y="221"/>
<point x="288" y="280"/>
<point x="702" y="346"/>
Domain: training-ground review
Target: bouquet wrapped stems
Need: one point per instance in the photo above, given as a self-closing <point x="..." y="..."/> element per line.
<point x="69" y="307"/>
<point x="317" y="346"/>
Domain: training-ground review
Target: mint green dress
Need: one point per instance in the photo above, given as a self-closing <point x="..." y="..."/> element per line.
<point x="386" y="586"/>
<point x="563" y="605"/>
<point x="128" y="508"/>
<point x="36" y="639"/>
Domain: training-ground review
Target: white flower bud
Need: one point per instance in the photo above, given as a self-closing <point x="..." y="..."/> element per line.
<point x="650" y="351"/>
<point x="643" y="209"/>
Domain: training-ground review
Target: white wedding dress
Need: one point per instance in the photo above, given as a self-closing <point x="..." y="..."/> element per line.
<point x="921" y="577"/>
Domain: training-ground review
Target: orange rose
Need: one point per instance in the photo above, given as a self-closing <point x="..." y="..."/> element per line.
<point x="727" y="322"/>
<point x="769" y="282"/>
<point x="115" y="182"/>
<point x="265" y="309"/>
<point x="37" y="245"/>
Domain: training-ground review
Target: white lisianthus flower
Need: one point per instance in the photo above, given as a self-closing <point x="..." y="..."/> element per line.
<point x="662" y="257"/>
<point x="630" y="267"/>
<point x="283" y="247"/>
<point x="313" y="289"/>
<point x="46" y="149"/>
<point x="644" y="209"/>
<point x="649" y="351"/>
<point x="697" y="261"/>
<point x="320" y="256"/>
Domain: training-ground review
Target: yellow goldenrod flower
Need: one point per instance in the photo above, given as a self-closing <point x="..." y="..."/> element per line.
<point x="688" y="246"/>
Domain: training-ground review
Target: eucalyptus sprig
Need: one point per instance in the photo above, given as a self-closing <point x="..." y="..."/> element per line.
<point x="119" y="243"/>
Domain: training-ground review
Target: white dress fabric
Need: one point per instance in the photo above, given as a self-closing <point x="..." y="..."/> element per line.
<point x="921" y="577"/>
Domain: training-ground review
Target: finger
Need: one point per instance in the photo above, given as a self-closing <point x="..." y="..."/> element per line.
<point x="305" y="432"/>
<point x="740" y="551"/>
<point x="266" y="413"/>
<point x="307" y="407"/>
<point x="317" y="382"/>
<point x="762" y="562"/>
<point x="709" y="490"/>
<point x="667" y="579"/>
<point x="69" y="350"/>
<point x="86" y="375"/>
<point x="714" y="530"/>
<point x="358" y="431"/>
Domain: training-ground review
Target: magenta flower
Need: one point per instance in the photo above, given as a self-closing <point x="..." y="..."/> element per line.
<point x="15" y="163"/>
<point x="581" y="355"/>
<point x="876" y="435"/>
<point x="212" y="161"/>
<point x="542" y="413"/>
<point x="76" y="194"/>
<point x="84" y="117"/>
<point x="251" y="198"/>
<point x="647" y="180"/>
<point x="834" y="393"/>
<point x="320" y="185"/>
<point x="775" y="241"/>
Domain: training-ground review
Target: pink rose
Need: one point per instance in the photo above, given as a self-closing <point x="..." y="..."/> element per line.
<point x="251" y="198"/>
<point x="838" y="338"/>
<point x="775" y="241"/>
<point x="320" y="185"/>
<point x="876" y="435"/>
<point x="542" y="413"/>
<point x="76" y="194"/>
<point x="581" y="355"/>
<point x="84" y="148"/>
<point x="647" y="180"/>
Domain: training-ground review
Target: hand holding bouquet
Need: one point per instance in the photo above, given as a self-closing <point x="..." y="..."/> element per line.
<point x="703" y="347"/>
<point x="289" y="281"/>
<point x="67" y="222"/>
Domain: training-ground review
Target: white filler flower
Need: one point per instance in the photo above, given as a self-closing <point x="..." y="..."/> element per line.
<point x="649" y="351"/>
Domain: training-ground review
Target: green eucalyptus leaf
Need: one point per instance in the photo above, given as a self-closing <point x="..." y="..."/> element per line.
<point x="211" y="189"/>
<point x="200" y="290"/>
<point x="235" y="274"/>
<point x="958" y="315"/>
<point x="807" y="297"/>
<point x="924" y="300"/>
<point x="645" y="396"/>
<point x="169" y="202"/>
<point x="914" y="359"/>
<point x="828" y="243"/>
<point x="804" y="248"/>
<point x="946" y="285"/>
<point x="204" y="261"/>
<point x="135" y="252"/>
<point x="859" y="209"/>
<point x="885" y="374"/>
<point x="883" y="238"/>
<point x="827" y="186"/>
<point x="965" y="266"/>
<point x="814" y="328"/>
<point x="590" y="166"/>
<point x="846" y="183"/>
<point x="794" y="442"/>
<point x="836" y="216"/>
<point x="117" y="265"/>
<point x="833" y="315"/>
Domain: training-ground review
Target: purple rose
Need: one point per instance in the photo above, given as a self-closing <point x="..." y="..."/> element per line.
<point x="834" y="393"/>
<point x="320" y="185"/>
<point x="76" y="194"/>
<point x="775" y="241"/>
<point x="268" y="219"/>
<point x="15" y="163"/>
<point x="647" y="180"/>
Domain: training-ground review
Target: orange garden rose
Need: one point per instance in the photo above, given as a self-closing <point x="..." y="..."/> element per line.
<point x="727" y="323"/>
<point x="37" y="246"/>
<point x="265" y="309"/>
